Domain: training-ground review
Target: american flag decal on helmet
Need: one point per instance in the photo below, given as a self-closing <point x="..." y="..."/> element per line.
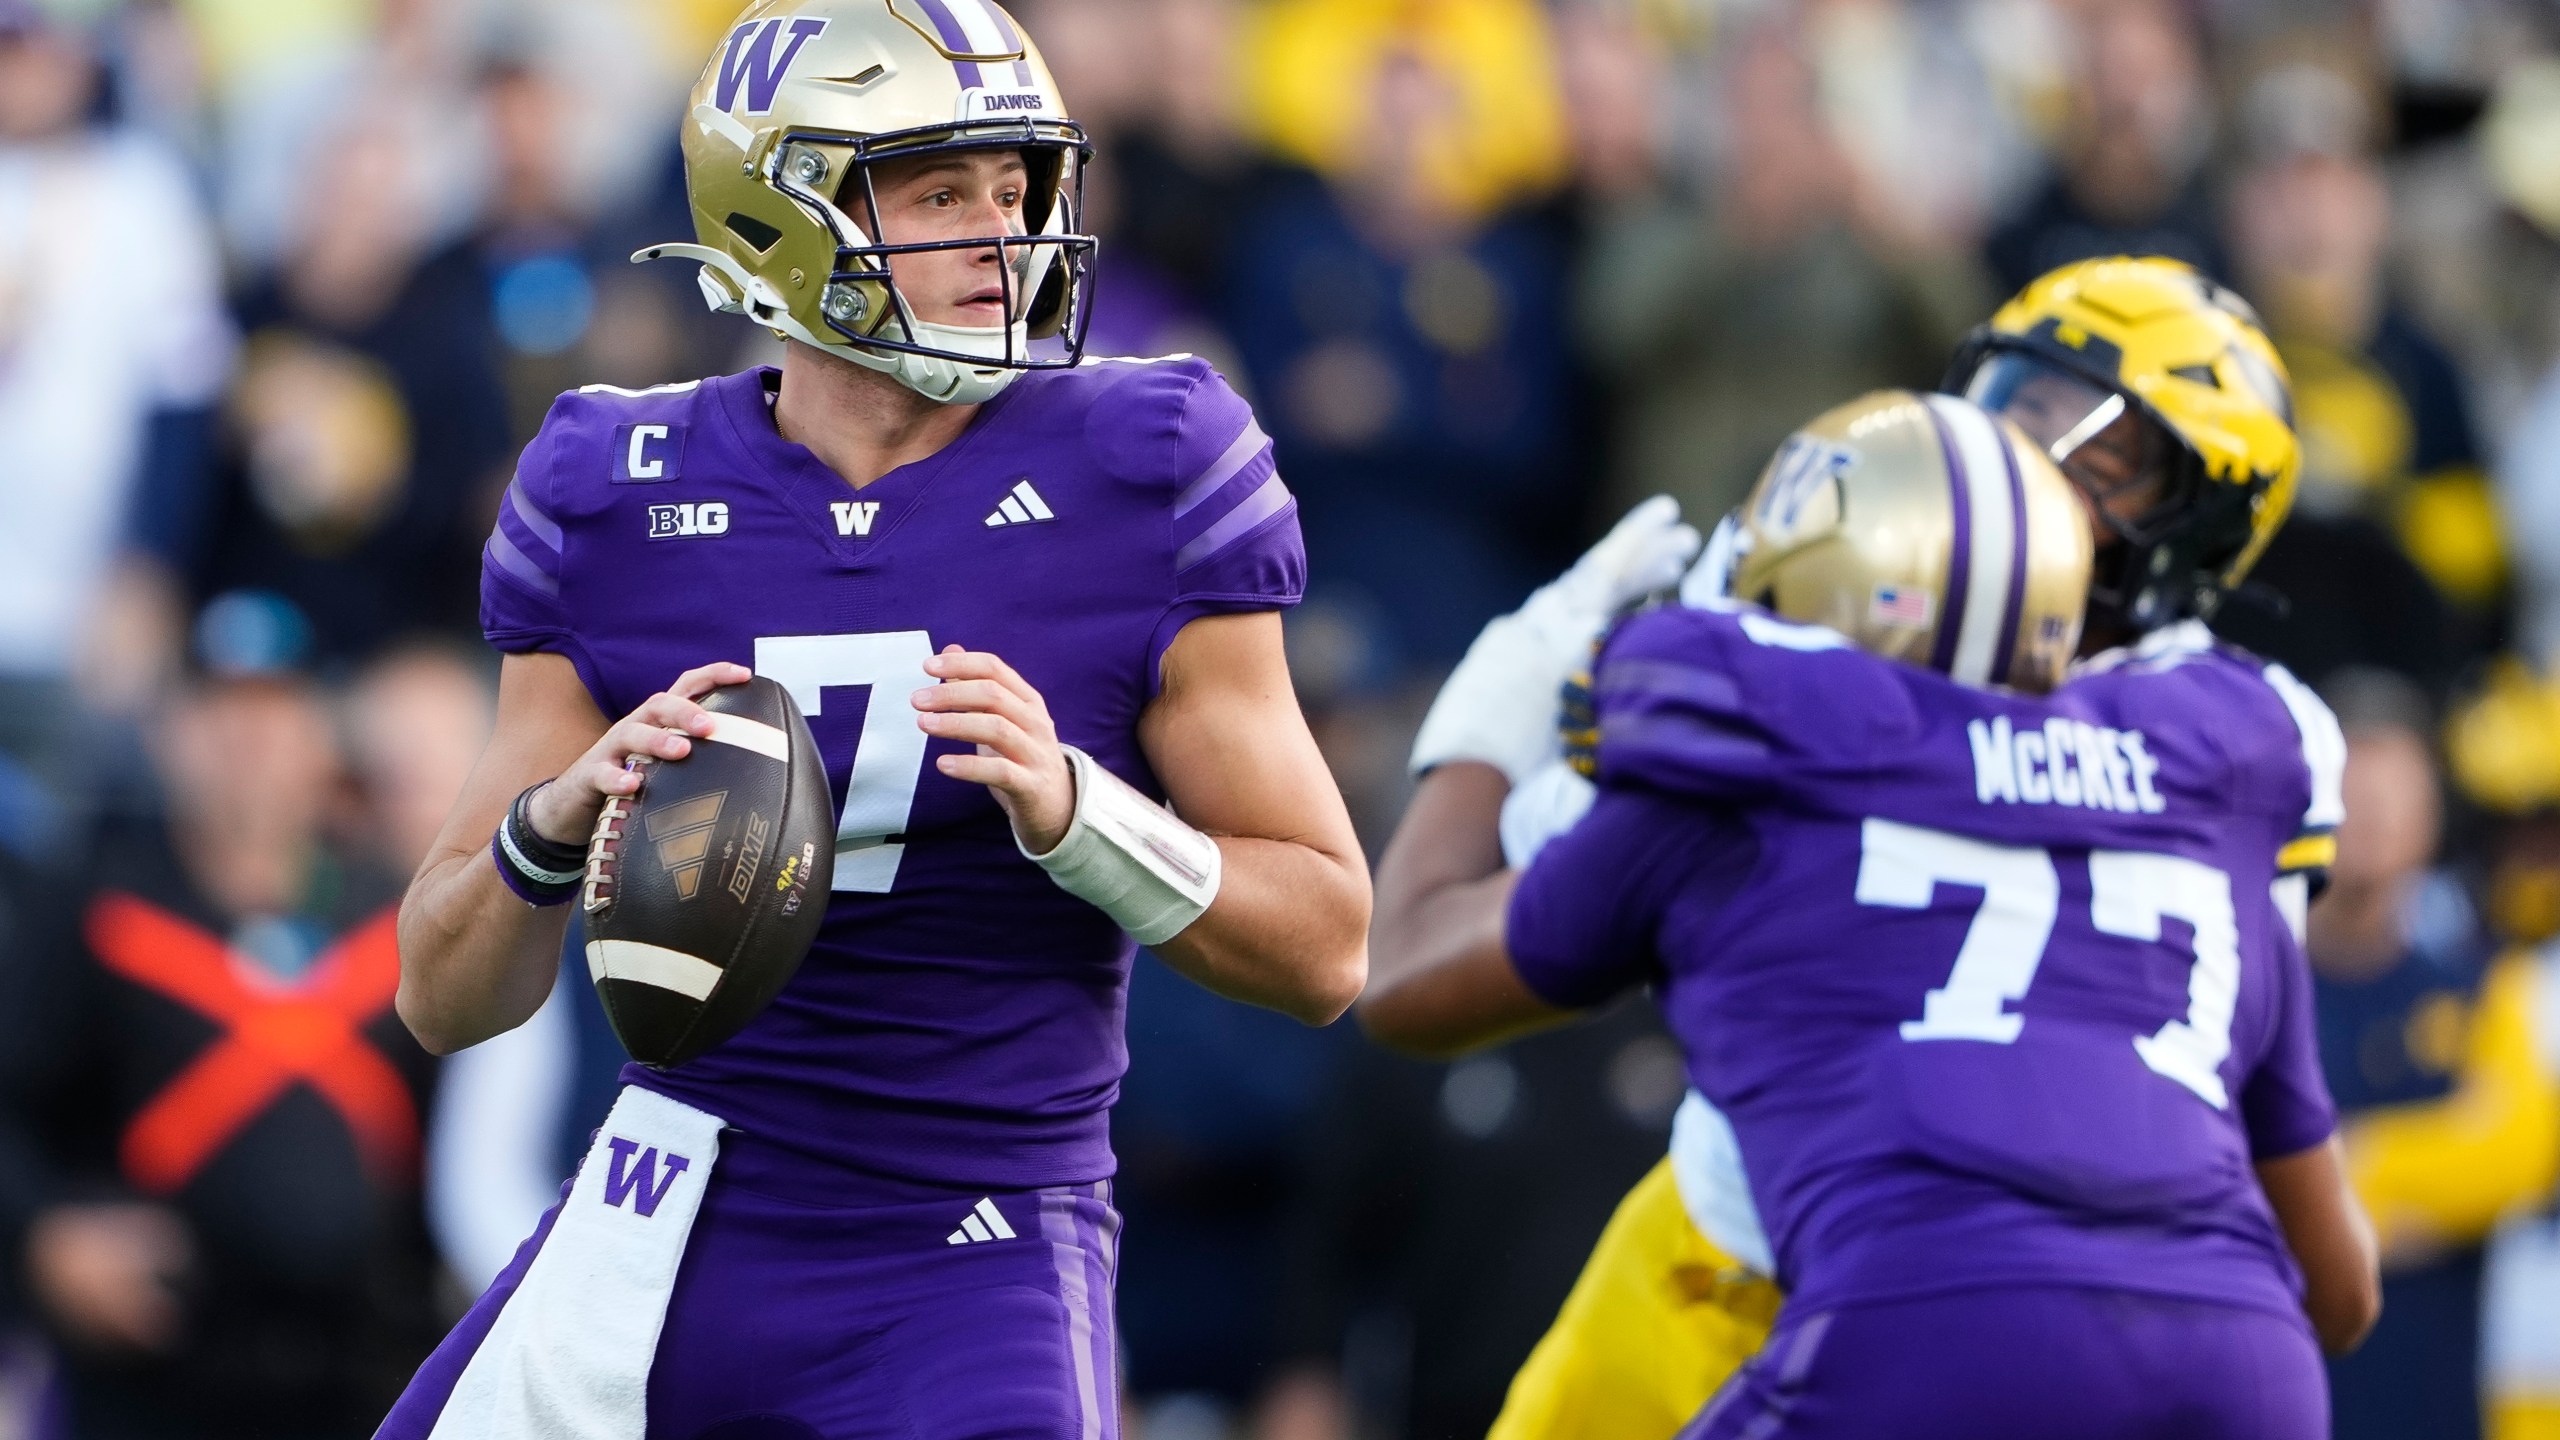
<point x="1901" y="605"/>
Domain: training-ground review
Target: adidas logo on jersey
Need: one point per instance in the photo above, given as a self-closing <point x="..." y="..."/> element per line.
<point x="985" y="1222"/>
<point x="1022" y="507"/>
<point x="854" y="517"/>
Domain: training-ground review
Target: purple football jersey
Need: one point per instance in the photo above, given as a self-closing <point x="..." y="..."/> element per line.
<point x="1994" y="989"/>
<point x="959" y="1021"/>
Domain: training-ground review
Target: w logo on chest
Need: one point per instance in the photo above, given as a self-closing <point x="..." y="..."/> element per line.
<point x="634" y="1174"/>
<point x="855" y="517"/>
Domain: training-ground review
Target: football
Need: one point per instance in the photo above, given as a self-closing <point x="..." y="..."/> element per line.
<point x="704" y="890"/>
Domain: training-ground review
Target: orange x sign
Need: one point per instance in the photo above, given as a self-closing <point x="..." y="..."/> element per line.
<point x="309" y="1033"/>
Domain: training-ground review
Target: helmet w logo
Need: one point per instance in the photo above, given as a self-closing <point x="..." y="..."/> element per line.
<point x="1805" y="468"/>
<point x="748" y="61"/>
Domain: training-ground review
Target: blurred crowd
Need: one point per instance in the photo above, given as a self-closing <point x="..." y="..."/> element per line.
<point x="284" y="284"/>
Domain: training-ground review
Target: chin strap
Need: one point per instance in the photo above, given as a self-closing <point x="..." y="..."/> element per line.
<point x="731" y="289"/>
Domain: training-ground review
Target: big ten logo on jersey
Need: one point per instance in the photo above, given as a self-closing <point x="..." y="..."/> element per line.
<point x="758" y="55"/>
<point x="645" y="454"/>
<point x="671" y="522"/>
<point x="1805" y="471"/>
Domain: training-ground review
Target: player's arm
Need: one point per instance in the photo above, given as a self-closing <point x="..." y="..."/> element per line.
<point x="2331" y="1240"/>
<point x="1287" y="892"/>
<point x="2292" y="1124"/>
<point x="1441" y="980"/>
<point x="1289" y="927"/>
<point x="475" y="959"/>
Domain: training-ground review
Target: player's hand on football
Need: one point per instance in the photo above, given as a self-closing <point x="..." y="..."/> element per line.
<point x="983" y="702"/>
<point x="662" y="728"/>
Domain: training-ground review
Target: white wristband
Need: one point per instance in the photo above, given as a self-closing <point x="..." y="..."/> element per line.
<point x="1131" y="857"/>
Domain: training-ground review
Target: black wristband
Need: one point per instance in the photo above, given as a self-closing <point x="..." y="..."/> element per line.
<point x="545" y="852"/>
<point x="540" y="870"/>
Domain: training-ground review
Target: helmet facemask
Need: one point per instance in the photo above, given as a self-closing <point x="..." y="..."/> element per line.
<point x="2145" y="486"/>
<point x="1045" y="270"/>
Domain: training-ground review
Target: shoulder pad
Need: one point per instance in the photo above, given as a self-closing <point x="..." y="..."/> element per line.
<point x="1730" y="704"/>
<point x="600" y="436"/>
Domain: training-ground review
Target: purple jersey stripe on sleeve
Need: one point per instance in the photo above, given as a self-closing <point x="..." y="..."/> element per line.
<point x="1942" y="655"/>
<point x="1223" y="469"/>
<point x="1264" y="503"/>
<point x="1239" y="489"/>
<point x="514" y="564"/>
<point x="541" y="556"/>
<point x="543" y="527"/>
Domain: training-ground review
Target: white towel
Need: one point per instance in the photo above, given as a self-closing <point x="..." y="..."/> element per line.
<point x="568" y="1358"/>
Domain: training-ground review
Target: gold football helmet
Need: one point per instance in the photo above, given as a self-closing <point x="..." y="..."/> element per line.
<point x="1923" y="528"/>
<point x="797" y="105"/>
<point x="2159" y="394"/>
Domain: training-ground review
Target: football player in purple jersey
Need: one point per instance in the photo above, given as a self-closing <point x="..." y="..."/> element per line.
<point x="1020" y="595"/>
<point x="1443" y="937"/>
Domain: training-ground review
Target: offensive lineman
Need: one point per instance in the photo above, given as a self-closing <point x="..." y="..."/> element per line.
<point x="1670" y="1303"/>
<point x="883" y="1209"/>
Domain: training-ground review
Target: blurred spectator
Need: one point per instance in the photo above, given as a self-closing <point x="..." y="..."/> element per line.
<point x="2529" y="482"/>
<point x="2521" y="144"/>
<point x="2430" y="1049"/>
<point x="113" y="348"/>
<point x="511" y="1113"/>
<point x="1411" y="359"/>
<point x="2393" y="511"/>
<point x="209" y="1115"/>
<point x="415" y="721"/>
<point x="370" y="431"/>
<point x="2521" y="1330"/>
<point x="1452" y="1207"/>
<point x="567" y="305"/>
<point x="2505" y="749"/>
<point x="1215" y="1119"/>
<point x="1490" y="136"/>
<point x="2128" y="175"/>
<point x="1158" y="84"/>
<point x="1718" y="326"/>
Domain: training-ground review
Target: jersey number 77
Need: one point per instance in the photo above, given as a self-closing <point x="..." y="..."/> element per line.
<point x="2130" y="893"/>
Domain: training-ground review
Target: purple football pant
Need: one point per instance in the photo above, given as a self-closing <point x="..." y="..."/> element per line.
<point x="2024" y="1364"/>
<point x="797" y="1317"/>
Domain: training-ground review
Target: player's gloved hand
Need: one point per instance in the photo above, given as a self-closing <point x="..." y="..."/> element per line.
<point x="662" y="728"/>
<point x="1499" y="705"/>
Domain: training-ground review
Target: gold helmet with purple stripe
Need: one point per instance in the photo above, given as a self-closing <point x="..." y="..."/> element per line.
<point x="1922" y="527"/>
<point x="801" y="100"/>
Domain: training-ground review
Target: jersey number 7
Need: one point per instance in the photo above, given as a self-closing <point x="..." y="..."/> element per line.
<point x="2130" y="893"/>
<point x="888" y="760"/>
